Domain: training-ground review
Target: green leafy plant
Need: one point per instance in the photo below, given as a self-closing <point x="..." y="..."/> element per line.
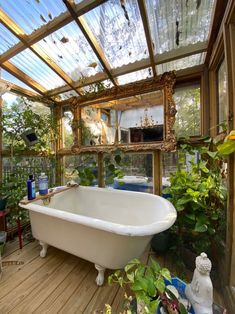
<point x="18" y="118"/>
<point x="199" y="196"/>
<point x="147" y="282"/>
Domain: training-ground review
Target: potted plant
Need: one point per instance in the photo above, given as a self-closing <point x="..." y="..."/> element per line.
<point x="151" y="289"/>
<point x="199" y="195"/>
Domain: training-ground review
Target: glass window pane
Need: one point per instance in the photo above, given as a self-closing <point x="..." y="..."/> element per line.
<point x="119" y="30"/>
<point x="67" y="128"/>
<point x="222" y="94"/>
<point x="7" y="39"/>
<point x="31" y="14"/>
<point x="135" y="172"/>
<point x="187" y="99"/>
<point x="69" y="49"/>
<point x="135" y="76"/>
<point x="30" y="64"/>
<point x="182" y="63"/>
<point x="81" y="168"/>
<point x="23" y="166"/>
<point x="193" y="17"/>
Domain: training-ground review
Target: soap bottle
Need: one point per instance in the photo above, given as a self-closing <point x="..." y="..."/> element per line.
<point x="31" y="187"/>
<point x="43" y="184"/>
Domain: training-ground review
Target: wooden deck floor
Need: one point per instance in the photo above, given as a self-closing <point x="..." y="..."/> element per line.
<point x="58" y="283"/>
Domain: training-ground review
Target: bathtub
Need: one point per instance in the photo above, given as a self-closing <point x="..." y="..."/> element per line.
<point x="104" y="226"/>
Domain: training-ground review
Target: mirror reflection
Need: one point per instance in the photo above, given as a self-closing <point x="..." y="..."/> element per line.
<point x="137" y="119"/>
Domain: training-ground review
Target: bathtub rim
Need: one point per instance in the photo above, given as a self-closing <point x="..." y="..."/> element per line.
<point x="126" y="230"/>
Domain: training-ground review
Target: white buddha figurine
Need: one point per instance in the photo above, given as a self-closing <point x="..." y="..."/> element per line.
<point x="200" y="291"/>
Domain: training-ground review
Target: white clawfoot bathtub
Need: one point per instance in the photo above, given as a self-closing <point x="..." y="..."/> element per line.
<point x="104" y="226"/>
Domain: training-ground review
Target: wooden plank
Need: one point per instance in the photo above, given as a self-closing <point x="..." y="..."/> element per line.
<point x="25" y="272"/>
<point x="82" y="296"/>
<point x="12" y="297"/>
<point x="103" y="295"/>
<point x="181" y="52"/>
<point x="217" y="17"/>
<point x="45" y="287"/>
<point x="12" y="69"/>
<point x="61" y="295"/>
<point x="144" y="17"/>
<point x="20" y="90"/>
<point x="26" y="255"/>
<point x="50" y="194"/>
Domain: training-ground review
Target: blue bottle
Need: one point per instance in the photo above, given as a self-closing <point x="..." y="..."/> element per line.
<point x="31" y="187"/>
<point x="43" y="184"/>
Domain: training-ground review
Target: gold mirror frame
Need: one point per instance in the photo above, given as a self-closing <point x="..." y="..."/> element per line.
<point x="164" y="82"/>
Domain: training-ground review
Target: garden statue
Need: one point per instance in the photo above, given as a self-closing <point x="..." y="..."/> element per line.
<point x="200" y="291"/>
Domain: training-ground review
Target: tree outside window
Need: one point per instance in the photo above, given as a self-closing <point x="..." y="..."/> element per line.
<point x="188" y="122"/>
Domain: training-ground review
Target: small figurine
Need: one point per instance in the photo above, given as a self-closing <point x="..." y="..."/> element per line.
<point x="200" y="291"/>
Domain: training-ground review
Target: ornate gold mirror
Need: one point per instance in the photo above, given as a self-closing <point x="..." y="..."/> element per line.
<point x="134" y="117"/>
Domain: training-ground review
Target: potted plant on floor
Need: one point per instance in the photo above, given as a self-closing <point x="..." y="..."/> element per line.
<point x="199" y="196"/>
<point x="152" y="288"/>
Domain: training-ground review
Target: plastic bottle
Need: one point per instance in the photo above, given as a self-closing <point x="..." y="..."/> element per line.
<point x="31" y="187"/>
<point x="43" y="184"/>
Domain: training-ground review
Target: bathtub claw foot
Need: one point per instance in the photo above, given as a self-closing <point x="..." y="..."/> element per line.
<point x="100" y="278"/>
<point x="43" y="251"/>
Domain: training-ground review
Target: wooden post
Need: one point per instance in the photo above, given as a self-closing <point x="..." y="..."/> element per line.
<point x="101" y="182"/>
<point x="1" y="148"/>
<point x="205" y="118"/>
<point x="76" y="126"/>
<point x="58" y="112"/>
<point x="157" y="173"/>
<point x="229" y="33"/>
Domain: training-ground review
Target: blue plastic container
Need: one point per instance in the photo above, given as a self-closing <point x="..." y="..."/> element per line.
<point x="180" y="285"/>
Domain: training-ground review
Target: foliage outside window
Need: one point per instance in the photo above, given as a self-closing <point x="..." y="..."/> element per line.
<point x="138" y="167"/>
<point x="221" y="77"/>
<point x="67" y="128"/>
<point x="187" y="101"/>
<point x="81" y="168"/>
<point x="22" y="115"/>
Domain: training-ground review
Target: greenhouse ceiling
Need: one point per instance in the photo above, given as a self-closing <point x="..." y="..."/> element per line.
<point x="66" y="48"/>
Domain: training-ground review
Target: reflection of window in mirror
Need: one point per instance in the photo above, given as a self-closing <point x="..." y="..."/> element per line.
<point x="221" y="80"/>
<point x="91" y="126"/>
<point x="67" y="129"/>
<point x="137" y="169"/>
<point x="187" y="100"/>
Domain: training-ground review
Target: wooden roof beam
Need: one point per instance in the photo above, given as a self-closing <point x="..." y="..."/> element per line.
<point x="144" y="17"/>
<point x="58" y="22"/>
<point x="138" y="65"/>
<point x="82" y="24"/>
<point x="9" y="67"/>
<point x="19" y="33"/>
<point x="16" y="89"/>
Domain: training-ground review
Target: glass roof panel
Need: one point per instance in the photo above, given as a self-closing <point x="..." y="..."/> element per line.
<point x="68" y="48"/>
<point x="30" y="64"/>
<point x="135" y="76"/>
<point x="182" y="63"/>
<point x="32" y="14"/>
<point x="193" y="19"/>
<point x="67" y="95"/>
<point x="7" y="39"/>
<point x="12" y="79"/>
<point x="118" y="28"/>
<point x="97" y="87"/>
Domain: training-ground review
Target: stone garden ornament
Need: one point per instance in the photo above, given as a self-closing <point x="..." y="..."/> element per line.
<point x="200" y="291"/>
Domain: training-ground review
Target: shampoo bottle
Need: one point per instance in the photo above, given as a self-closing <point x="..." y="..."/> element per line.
<point x="43" y="184"/>
<point x="31" y="187"/>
